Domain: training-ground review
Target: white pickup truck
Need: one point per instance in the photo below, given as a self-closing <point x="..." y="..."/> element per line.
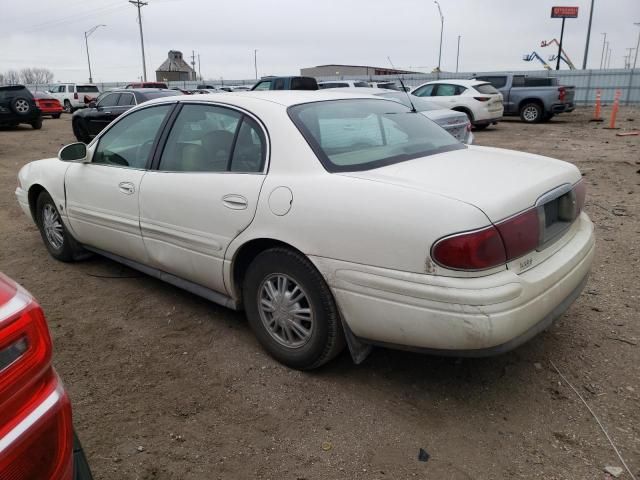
<point x="72" y="95"/>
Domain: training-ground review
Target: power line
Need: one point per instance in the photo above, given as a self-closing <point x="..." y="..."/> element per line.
<point x="74" y="18"/>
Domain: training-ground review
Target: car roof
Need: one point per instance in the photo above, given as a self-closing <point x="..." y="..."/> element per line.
<point x="455" y="81"/>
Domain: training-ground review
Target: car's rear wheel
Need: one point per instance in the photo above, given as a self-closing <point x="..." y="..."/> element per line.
<point x="59" y="242"/>
<point x="531" y="113"/>
<point x="291" y="310"/>
<point x="21" y="106"/>
<point x="67" y="106"/>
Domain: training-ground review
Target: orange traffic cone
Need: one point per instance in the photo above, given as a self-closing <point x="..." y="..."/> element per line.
<point x="614" y="111"/>
<point x="597" y="117"/>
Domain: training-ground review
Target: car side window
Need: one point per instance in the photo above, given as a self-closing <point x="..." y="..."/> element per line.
<point x="109" y="100"/>
<point x="62" y="89"/>
<point x="460" y="89"/>
<point x="201" y="139"/>
<point x="445" y="90"/>
<point x="249" y="150"/>
<point x="265" y="85"/>
<point x="126" y="99"/>
<point x="425" y="91"/>
<point x="278" y="84"/>
<point x="128" y="143"/>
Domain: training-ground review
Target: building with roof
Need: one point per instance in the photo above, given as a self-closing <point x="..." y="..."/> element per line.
<point x="350" y="71"/>
<point x="174" y="68"/>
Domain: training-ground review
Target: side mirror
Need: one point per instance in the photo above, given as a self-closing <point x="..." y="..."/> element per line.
<point x="74" y="152"/>
<point x="92" y="104"/>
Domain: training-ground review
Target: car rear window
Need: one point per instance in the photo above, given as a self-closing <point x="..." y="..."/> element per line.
<point x="361" y="134"/>
<point x="166" y="93"/>
<point x="361" y="84"/>
<point x="87" y="89"/>
<point x="486" y="88"/>
<point x="333" y="85"/>
<point x="497" y="82"/>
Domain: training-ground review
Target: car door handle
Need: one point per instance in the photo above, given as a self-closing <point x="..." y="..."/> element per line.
<point x="127" y="188"/>
<point x="235" y="202"/>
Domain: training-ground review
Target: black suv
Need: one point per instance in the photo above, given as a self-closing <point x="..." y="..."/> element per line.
<point x="17" y="105"/>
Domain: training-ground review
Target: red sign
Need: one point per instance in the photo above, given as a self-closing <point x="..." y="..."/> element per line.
<point x="564" y="12"/>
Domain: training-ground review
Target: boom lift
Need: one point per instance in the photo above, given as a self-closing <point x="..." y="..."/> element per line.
<point x="564" y="57"/>
<point x="534" y="56"/>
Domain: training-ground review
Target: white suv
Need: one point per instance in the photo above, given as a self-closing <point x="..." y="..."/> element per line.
<point x="343" y="84"/>
<point x="72" y="95"/>
<point x="479" y="100"/>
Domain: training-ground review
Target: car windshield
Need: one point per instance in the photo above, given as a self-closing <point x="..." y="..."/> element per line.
<point x="361" y="134"/>
<point x="421" y="104"/>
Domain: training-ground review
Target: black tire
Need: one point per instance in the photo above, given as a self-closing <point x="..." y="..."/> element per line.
<point x="68" y="249"/>
<point x="482" y="126"/>
<point x="531" y="112"/>
<point x="37" y="124"/>
<point x="326" y="338"/>
<point x="67" y="106"/>
<point x="56" y="115"/>
<point x="81" y="132"/>
<point x="21" y="106"/>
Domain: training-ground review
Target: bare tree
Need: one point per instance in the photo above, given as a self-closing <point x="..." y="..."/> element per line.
<point x="12" y="77"/>
<point x="43" y="75"/>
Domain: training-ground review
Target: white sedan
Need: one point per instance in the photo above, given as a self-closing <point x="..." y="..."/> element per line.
<point x="478" y="99"/>
<point x="328" y="218"/>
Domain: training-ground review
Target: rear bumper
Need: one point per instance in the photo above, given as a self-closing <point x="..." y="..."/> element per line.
<point x="562" y="107"/>
<point x="460" y="316"/>
<point x="487" y="121"/>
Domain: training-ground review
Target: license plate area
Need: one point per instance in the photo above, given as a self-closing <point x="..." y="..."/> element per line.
<point x="556" y="212"/>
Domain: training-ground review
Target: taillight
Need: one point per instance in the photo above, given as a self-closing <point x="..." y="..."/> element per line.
<point x="477" y="250"/>
<point x="520" y="234"/>
<point x="482" y="99"/>
<point x="562" y="92"/>
<point x="36" y="433"/>
<point x="75" y="95"/>
<point x="581" y="196"/>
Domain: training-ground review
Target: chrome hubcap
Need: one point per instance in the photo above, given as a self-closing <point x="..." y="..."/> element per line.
<point x="285" y="310"/>
<point x="22" y="106"/>
<point x="530" y="113"/>
<point x="52" y="226"/>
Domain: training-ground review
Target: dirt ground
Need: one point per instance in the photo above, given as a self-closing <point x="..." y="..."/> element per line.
<point x="165" y="385"/>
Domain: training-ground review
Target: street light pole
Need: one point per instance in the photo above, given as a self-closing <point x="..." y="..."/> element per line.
<point x="604" y="44"/>
<point x="586" y="47"/>
<point x="441" y="31"/>
<point x="458" y="54"/>
<point x="140" y="4"/>
<point x="635" y="59"/>
<point x="86" y="44"/>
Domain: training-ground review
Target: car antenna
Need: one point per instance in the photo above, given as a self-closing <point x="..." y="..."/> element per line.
<point x="404" y="89"/>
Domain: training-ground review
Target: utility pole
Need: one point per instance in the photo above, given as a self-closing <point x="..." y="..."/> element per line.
<point x="608" y="56"/>
<point x="193" y="62"/>
<point x="604" y="44"/>
<point x="86" y="43"/>
<point x="199" y="71"/>
<point x="140" y="4"/>
<point x="458" y="54"/>
<point x="441" y="31"/>
<point x="586" y="46"/>
<point x="255" y="62"/>
<point x="627" y="61"/>
<point x="635" y="59"/>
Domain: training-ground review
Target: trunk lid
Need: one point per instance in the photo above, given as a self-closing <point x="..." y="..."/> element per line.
<point x="499" y="182"/>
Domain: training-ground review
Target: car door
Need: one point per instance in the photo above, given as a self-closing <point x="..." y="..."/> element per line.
<point x="102" y="196"/>
<point x="103" y="114"/>
<point x="204" y="192"/>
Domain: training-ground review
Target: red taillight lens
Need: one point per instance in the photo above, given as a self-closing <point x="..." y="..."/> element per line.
<point x="520" y="234"/>
<point x="477" y="250"/>
<point x="482" y="99"/>
<point x="562" y="92"/>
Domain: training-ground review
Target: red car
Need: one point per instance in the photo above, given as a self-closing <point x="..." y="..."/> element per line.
<point x="48" y="104"/>
<point x="37" y="440"/>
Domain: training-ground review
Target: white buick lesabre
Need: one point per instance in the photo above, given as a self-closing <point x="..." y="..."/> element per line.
<point x="330" y="219"/>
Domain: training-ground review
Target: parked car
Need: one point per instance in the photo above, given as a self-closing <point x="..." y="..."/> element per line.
<point x="456" y="123"/>
<point x="352" y="220"/>
<point x="534" y="99"/>
<point x="206" y="86"/>
<point x="47" y="104"/>
<point x="110" y="105"/>
<point x="286" y="83"/>
<point x="17" y="105"/>
<point x="147" y="85"/>
<point x="343" y="84"/>
<point x="387" y="85"/>
<point x="72" y="95"/>
<point x="479" y="100"/>
<point x="37" y="440"/>
<point x="181" y="90"/>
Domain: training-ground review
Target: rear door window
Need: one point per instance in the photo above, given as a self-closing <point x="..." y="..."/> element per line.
<point x="278" y="84"/>
<point x="109" y="100"/>
<point x="126" y="99"/>
<point x="446" y="90"/>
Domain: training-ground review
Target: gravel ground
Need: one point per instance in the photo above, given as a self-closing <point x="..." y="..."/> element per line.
<point x="165" y="385"/>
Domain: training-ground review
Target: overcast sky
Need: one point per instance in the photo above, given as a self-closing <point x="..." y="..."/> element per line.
<point x="291" y="34"/>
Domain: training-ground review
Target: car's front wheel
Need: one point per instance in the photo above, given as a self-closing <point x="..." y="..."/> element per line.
<point x="37" y="123"/>
<point x="291" y="310"/>
<point x="67" y="106"/>
<point x="59" y="242"/>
